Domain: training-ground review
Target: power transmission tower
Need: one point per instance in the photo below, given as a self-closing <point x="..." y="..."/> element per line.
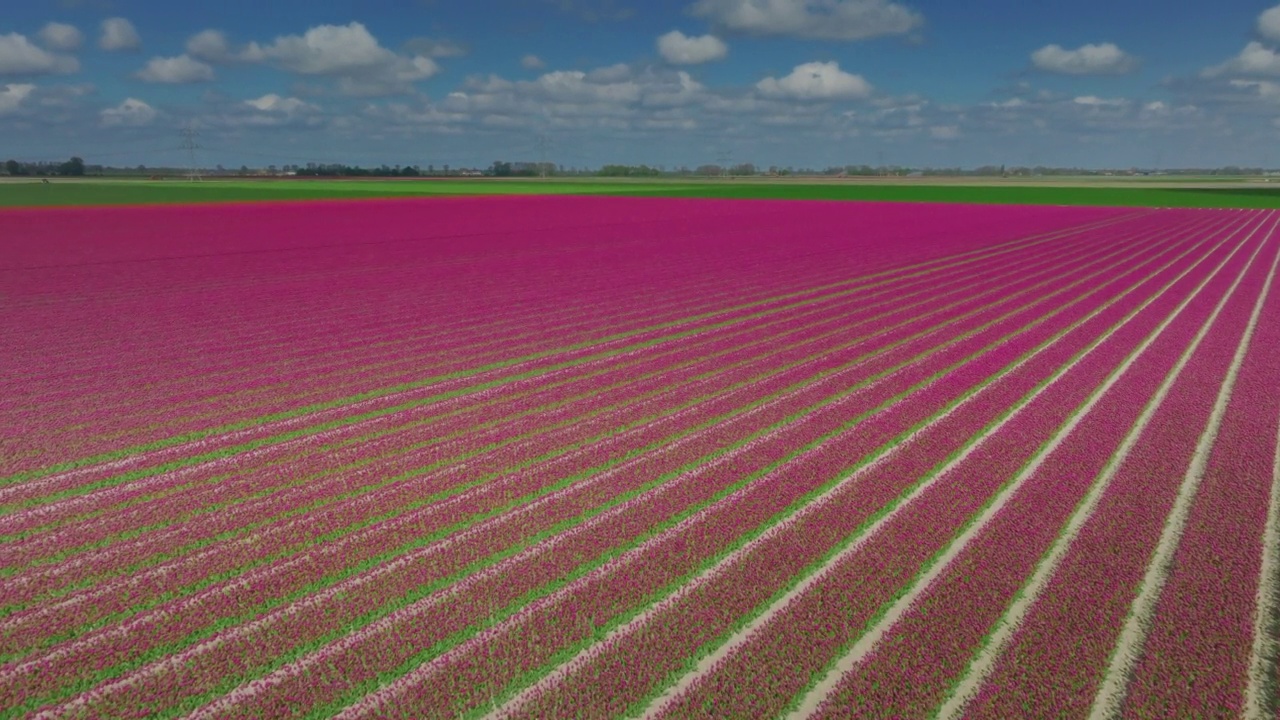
<point x="189" y="135"/>
<point x="880" y="161"/>
<point x="723" y="161"/>
<point x="544" y="142"/>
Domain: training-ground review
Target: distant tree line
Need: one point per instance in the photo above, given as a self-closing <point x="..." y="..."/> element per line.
<point x="74" y="167"/>
<point x="628" y="171"/>
<point x="336" y="170"/>
<point x="501" y="168"/>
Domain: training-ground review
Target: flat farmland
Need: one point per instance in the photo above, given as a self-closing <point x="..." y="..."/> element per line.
<point x="545" y="457"/>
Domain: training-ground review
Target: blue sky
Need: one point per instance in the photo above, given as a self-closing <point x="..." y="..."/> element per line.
<point x="1089" y="83"/>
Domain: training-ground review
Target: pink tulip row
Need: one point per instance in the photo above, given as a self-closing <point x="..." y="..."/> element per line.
<point x="345" y="581"/>
<point x="1196" y="657"/>
<point x="598" y="375"/>
<point x="1057" y="656"/>
<point x="241" y="434"/>
<point x="687" y="348"/>
<point x="304" y="385"/>
<point x="621" y="673"/>
<point x="378" y="597"/>
<point x="188" y="500"/>
<point x="164" y="355"/>
<point x="792" y="355"/>
<point x="779" y="661"/>
<point x="917" y="662"/>
<point x="783" y="488"/>
<point x="688" y="548"/>
<point x="101" y="651"/>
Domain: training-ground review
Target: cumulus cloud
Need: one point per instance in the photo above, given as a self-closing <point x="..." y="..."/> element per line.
<point x="1254" y="59"/>
<point x="119" y="34"/>
<point x="816" y="81"/>
<point x="352" y="55"/>
<point x="178" y="70"/>
<point x="811" y="19"/>
<point x="1095" y="101"/>
<point x="436" y="47"/>
<point x="679" y="49"/>
<point x="273" y="103"/>
<point x="130" y="113"/>
<point x="944" y="132"/>
<point x="532" y="62"/>
<point x="13" y="95"/>
<point x="616" y="97"/>
<point x="214" y="47"/>
<point x="1260" y="89"/>
<point x="61" y="36"/>
<point x="1091" y="59"/>
<point x="1269" y="24"/>
<point x="19" y="56"/>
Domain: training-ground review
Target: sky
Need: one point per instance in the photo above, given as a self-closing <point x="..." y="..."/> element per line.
<point x="582" y="83"/>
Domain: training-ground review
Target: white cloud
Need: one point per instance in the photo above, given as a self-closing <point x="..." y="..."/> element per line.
<point x="61" y="36"/>
<point x="1261" y="89"/>
<point x="812" y="19"/>
<point x="684" y="91"/>
<point x="119" y="34"/>
<point x="329" y="50"/>
<point x="436" y="47"/>
<point x="1095" y="101"/>
<point x="12" y="96"/>
<point x="213" y="46"/>
<point x="353" y="56"/>
<point x="532" y="62"/>
<point x="178" y="70"/>
<point x="944" y="132"/>
<point x="19" y="56"/>
<point x="1099" y="59"/>
<point x="273" y="103"/>
<point x="679" y="49"/>
<point x="1254" y="59"/>
<point x="616" y="97"/>
<point x="616" y="73"/>
<point x="1269" y="24"/>
<point x="816" y="81"/>
<point x="130" y="113"/>
<point x="210" y="45"/>
<point x="576" y="86"/>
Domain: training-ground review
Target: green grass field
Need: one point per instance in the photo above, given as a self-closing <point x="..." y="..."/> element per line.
<point x="59" y="192"/>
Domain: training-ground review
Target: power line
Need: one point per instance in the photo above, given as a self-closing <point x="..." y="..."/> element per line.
<point x="189" y="135"/>
<point x="723" y="160"/>
<point x="543" y="143"/>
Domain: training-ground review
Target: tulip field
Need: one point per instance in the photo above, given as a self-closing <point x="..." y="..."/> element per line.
<point x="595" y="457"/>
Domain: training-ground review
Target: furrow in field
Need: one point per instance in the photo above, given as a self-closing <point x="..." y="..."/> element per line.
<point x="222" y="490"/>
<point x="780" y="654"/>
<point x="319" y="490"/>
<point x="656" y="572"/>
<point x="227" y="435"/>
<point x="1236" y="334"/>
<point x="317" y="379"/>
<point x="908" y="672"/>
<point x="65" y="651"/>
<point x="712" y="342"/>
<point x="205" y="370"/>
<point x="1057" y="654"/>
<point x="593" y="671"/>
<point x="1198" y="654"/>
<point x="1262" y="696"/>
